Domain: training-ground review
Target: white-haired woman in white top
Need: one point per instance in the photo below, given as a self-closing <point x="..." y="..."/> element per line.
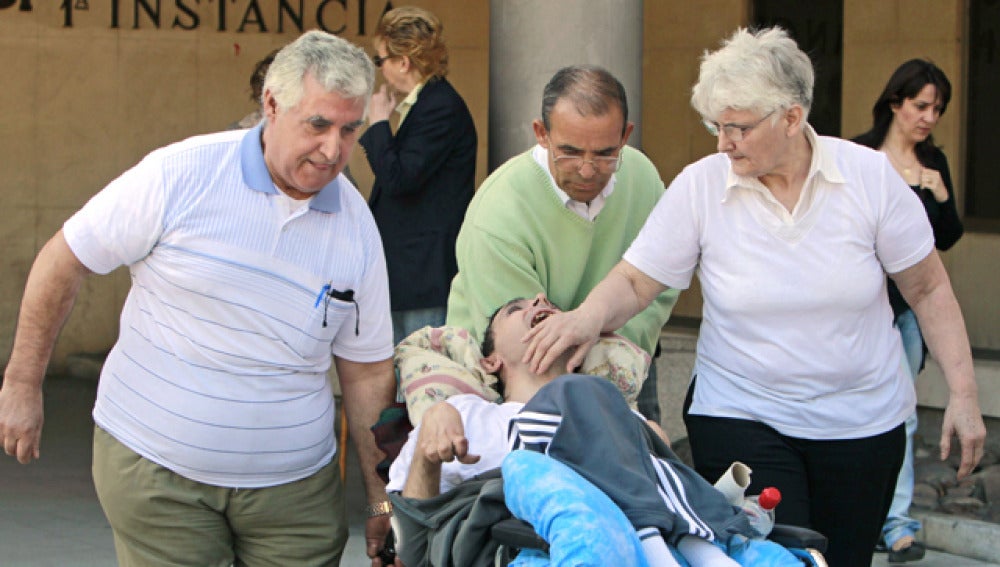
<point x="791" y="235"/>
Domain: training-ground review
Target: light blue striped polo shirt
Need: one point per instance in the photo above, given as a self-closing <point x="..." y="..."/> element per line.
<point x="219" y="371"/>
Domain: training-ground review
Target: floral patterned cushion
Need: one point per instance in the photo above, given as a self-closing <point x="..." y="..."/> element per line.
<point x="434" y="363"/>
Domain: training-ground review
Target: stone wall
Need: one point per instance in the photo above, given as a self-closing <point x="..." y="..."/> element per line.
<point x="87" y="100"/>
<point x="92" y="86"/>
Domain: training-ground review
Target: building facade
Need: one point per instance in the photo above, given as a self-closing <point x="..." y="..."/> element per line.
<point x="93" y="85"/>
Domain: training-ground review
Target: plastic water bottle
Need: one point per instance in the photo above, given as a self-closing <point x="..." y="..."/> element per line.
<point x="760" y="510"/>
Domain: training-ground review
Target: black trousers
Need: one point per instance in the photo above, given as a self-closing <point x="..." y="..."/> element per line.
<point x="841" y="488"/>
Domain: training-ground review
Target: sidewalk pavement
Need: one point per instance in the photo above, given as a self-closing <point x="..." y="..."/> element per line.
<point x="49" y="514"/>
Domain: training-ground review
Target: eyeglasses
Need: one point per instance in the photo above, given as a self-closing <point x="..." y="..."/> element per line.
<point x="735" y="132"/>
<point x="379" y="60"/>
<point x="601" y="164"/>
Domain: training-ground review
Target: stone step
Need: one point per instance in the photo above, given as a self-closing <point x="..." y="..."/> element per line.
<point x="960" y="536"/>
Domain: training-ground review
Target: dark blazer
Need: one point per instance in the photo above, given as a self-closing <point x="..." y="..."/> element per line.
<point x="424" y="180"/>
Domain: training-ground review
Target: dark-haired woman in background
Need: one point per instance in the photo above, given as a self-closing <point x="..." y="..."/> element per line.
<point x="256" y="90"/>
<point x="904" y="115"/>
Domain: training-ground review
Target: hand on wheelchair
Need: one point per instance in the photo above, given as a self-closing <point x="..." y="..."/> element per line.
<point x="387" y="554"/>
<point x="378" y="539"/>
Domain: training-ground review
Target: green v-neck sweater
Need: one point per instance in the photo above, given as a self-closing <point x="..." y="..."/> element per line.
<point x="519" y="239"/>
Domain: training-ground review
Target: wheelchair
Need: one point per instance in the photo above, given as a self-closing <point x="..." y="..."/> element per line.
<point x="484" y="534"/>
<point x="482" y="531"/>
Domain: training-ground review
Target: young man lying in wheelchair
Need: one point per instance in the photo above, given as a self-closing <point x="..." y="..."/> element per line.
<point x="575" y="459"/>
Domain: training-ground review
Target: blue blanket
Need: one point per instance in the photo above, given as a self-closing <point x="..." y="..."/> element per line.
<point x="582" y="525"/>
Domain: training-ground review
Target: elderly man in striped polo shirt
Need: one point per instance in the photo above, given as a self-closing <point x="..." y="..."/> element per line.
<point x="254" y="264"/>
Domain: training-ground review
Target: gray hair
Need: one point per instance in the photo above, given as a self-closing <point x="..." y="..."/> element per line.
<point x="761" y="71"/>
<point x="591" y="89"/>
<point x="336" y="64"/>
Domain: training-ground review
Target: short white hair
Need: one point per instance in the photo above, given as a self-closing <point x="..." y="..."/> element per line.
<point x="759" y="71"/>
<point x="335" y="63"/>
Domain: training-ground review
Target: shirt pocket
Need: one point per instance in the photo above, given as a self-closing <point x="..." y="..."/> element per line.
<point x="320" y="328"/>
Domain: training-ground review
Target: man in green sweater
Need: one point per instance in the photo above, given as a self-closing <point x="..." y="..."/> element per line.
<point x="558" y="217"/>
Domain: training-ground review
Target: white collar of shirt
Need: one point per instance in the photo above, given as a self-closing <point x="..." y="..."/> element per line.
<point x="288" y="207"/>
<point x="822" y="164"/>
<point x="587" y="211"/>
<point x="404" y="107"/>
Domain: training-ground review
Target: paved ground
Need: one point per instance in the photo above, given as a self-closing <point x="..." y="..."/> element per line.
<point x="49" y="515"/>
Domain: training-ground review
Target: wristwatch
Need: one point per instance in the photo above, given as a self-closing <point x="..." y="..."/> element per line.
<point x="383" y="508"/>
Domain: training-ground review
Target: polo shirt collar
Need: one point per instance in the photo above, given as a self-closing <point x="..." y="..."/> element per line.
<point x="257" y="177"/>
<point x="824" y="162"/>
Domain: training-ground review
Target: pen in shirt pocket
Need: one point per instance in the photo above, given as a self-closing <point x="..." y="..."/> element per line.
<point x="346" y="295"/>
<point x="323" y="291"/>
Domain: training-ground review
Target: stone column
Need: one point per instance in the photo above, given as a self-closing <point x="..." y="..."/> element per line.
<point x="530" y="40"/>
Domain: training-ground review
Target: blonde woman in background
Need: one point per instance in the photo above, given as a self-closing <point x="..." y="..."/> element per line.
<point x="424" y="171"/>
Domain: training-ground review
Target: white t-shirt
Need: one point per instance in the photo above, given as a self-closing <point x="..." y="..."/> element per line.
<point x="485" y="428"/>
<point x="797" y="328"/>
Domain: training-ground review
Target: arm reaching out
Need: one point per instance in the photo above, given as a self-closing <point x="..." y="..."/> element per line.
<point x="52" y="287"/>
<point x="622" y="294"/>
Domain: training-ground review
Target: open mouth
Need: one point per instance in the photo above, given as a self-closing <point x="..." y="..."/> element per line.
<point x="539" y="317"/>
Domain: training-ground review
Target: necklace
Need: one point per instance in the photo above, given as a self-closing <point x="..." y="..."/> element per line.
<point x="906" y="169"/>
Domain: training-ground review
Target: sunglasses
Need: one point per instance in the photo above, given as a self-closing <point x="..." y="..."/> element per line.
<point x="379" y="60"/>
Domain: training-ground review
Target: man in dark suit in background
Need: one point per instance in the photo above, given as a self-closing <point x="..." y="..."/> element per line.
<point x="425" y="172"/>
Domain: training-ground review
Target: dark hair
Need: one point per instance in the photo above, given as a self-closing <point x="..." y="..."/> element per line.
<point x="906" y="82"/>
<point x="488" y="345"/>
<point x="258" y="76"/>
<point x="591" y="89"/>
